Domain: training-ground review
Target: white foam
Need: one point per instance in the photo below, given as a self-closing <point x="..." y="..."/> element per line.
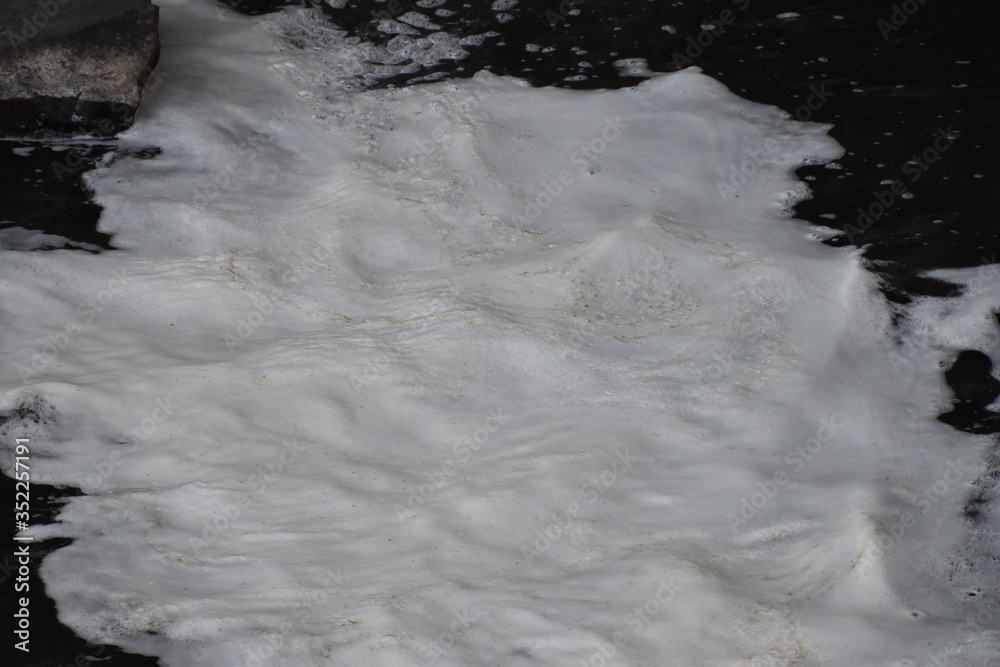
<point x="633" y="67"/>
<point x="476" y="373"/>
<point x="16" y="237"/>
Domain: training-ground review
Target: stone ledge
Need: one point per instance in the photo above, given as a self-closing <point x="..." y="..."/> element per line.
<point x="74" y="66"/>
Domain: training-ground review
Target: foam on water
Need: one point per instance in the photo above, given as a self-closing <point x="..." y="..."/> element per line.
<point x="478" y="373"/>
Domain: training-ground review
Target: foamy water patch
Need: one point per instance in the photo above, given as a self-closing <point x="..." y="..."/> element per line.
<point x="339" y="62"/>
<point x="474" y="372"/>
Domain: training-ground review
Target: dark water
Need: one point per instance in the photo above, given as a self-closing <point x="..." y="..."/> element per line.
<point x="43" y="195"/>
<point x="45" y="204"/>
<point x="910" y="88"/>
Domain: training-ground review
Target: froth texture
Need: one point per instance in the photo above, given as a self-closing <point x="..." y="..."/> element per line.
<point x="476" y="373"/>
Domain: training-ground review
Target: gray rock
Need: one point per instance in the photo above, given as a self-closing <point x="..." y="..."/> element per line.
<point x="74" y="66"/>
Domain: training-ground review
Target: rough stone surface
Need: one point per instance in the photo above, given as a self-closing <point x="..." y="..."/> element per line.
<point x="74" y="66"/>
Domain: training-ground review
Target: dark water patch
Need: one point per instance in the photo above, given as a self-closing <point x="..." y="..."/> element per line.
<point x="51" y="642"/>
<point x="45" y="203"/>
<point x="971" y="379"/>
<point x="258" y="7"/>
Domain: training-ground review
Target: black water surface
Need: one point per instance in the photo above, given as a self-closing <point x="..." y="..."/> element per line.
<point x="44" y="203"/>
<point x="50" y="643"/>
